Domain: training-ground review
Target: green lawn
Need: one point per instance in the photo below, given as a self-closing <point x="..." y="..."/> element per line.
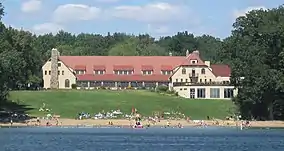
<point x="68" y="103"/>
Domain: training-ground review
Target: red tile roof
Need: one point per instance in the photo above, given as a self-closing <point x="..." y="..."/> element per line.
<point x="110" y="61"/>
<point x="166" y="68"/>
<point x="123" y="67"/>
<point x="193" y="57"/>
<point x="221" y="70"/>
<point x="130" y="78"/>
<point x="99" y="67"/>
<point x="146" y="67"/>
<point x="80" y="67"/>
<point x="137" y="64"/>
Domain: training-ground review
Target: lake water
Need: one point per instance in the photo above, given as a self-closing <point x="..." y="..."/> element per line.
<point x="152" y="139"/>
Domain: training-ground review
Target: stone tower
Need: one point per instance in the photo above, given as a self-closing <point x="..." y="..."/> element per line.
<point x="54" y="84"/>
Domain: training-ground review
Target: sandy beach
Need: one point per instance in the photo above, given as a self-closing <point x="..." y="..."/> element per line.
<point x="128" y="123"/>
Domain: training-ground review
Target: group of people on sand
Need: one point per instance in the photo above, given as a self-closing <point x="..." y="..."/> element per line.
<point x="49" y="122"/>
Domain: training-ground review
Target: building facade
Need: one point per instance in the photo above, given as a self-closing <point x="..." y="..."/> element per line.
<point x="188" y="75"/>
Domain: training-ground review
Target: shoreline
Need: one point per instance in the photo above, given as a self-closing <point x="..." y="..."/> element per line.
<point x="129" y="123"/>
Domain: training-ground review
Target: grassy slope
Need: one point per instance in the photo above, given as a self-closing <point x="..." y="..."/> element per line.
<point x="69" y="103"/>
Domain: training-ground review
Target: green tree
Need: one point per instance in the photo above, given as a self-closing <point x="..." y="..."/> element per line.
<point x="154" y="50"/>
<point x="1" y="10"/>
<point x="126" y="48"/>
<point x="209" y="47"/>
<point x="179" y="43"/>
<point x="255" y="52"/>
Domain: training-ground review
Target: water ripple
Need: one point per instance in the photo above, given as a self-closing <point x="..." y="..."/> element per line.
<point x="153" y="139"/>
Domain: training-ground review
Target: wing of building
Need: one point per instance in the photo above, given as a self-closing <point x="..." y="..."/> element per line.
<point x="188" y="75"/>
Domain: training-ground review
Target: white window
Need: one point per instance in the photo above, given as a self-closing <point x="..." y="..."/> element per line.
<point x="124" y="72"/>
<point x="228" y="93"/>
<point x="214" y="93"/>
<point x="201" y="93"/>
<point x="99" y="72"/>
<point x="166" y="72"/>
<point x="147" y="72"/>
<point x="193" y="61"/>
<point x="80" y="71"/>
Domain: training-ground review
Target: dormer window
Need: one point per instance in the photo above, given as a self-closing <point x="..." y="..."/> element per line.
<point x="80" y="69"/>
<point x="147" y="69"/>
<point x="166" y="69"/>
<point x="99" y="72"/>
<point x="193" y="61"/>
<point x="99" y="69"/>
<point x="164" y="72"/>
<point x="147" y="72"/>
<point x="123" y="72"/>
<point x="123" y="69"/>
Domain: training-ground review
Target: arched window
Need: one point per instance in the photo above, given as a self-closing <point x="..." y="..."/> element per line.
<point x="183" y="71"/>
<point x="202" y="71"/>
<point x="67" y="83"/>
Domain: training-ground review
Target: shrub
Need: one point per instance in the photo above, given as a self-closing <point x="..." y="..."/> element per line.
<point x="162" y="88"/>
<point x="74" y="86"/>
<point x="102" y="87"/>
<point x="130" y="88"/>
<point x="171" y="92"/>
<point x="176" y="93"/>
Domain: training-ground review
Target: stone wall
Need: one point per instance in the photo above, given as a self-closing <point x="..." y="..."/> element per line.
<point x="54" y="69"/>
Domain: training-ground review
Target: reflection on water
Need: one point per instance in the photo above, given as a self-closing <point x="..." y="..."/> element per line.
<point x="152" y="139"/>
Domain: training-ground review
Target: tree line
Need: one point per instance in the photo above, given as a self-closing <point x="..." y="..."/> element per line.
<point x="254" y="50"/>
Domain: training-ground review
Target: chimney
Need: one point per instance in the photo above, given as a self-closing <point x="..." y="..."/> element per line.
<point x="187" y="53"/>
<point x="54" y="69"/>
<point x="207" y="63"/>
<point x="196" y="52"/>
<point x="170" y="54"/>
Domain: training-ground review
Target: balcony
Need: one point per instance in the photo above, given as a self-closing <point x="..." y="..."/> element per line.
<point x="224" y="83"/>
<point x="181" y="84"/>
<point x="193" y="77"/>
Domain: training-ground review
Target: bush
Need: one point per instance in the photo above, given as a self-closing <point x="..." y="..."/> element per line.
<point x="171" y="92"/>
<point x="162" y="88"/>
<point x="130" y="88"/>
<point x="74" y="86"/>
<point x="176" y="93"/>
<point x="102" y="87"/>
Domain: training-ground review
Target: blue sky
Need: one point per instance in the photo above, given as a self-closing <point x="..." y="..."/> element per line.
<point x="156" y="17"/>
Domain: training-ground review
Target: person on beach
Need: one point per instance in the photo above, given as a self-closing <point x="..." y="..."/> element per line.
<point x="11" y="122"/>
<point x="48" y="124"/>
<point x="188" y="119"/>
<point x="37" y="121"/>
<point x="179" y="125"/>
<point x="57" y="121"/>
<point x="168" y="124"/>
